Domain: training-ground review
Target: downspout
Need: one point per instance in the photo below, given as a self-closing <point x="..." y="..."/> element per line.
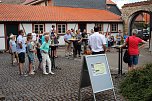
<point x="23" y="28"/>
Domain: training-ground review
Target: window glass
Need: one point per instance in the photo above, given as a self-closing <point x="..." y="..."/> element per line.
<point x="61" y="28"/>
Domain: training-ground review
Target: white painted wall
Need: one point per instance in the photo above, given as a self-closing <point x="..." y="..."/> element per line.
<point x="120" y="27"/>
<point x="90" y="26"/>
<point x="106" y="27"/>
<point x="61" y="40"/>
<point x="2" y="46"/>
<point x="48" y="26"/>
<point x="2" y="30"/>
<point x="72" y="25"/>
<point x="2" y="37"/>
<point x="27" y="27"/>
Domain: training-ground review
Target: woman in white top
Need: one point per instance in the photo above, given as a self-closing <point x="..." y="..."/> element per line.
<point x="13" y="51"/>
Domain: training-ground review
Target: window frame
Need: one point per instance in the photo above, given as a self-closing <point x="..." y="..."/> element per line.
<point x="39" y="27"/>
<point x="101" y="26"/>
<point x="61" y="28"/>
<point x="116" y="29"/>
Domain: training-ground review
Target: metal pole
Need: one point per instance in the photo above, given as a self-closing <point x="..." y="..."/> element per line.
<point x="119" y="61"/>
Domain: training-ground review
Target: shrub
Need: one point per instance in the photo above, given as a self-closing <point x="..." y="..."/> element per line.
<point x="137" y="85"/>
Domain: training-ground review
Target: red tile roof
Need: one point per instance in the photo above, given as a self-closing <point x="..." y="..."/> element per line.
<point x="137" y="4"/>
<point x="110" y="2"/>
<point x="139" y="18"/>
<point x="41" y="13"/>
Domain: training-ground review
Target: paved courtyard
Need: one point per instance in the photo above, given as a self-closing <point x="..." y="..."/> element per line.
<point x="63" y="86"/>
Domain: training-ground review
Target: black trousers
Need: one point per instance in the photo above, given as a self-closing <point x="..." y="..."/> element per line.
<point x="101" y="52"/>
<point x="77" y="48"/>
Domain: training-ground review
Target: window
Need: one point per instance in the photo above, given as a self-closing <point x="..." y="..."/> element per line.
<point x="114" y="27"/>
<point x="100" y="26"/>
<point x="39" y="28"/>
<point x="61" y="28"/>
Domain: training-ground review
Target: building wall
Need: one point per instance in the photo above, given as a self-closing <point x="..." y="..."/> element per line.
<point x="2" y="37"/>
<point x="120" y="27"/>
<point x="72" y="25"/>
<point x="27" y="27"/>
<point x="106" y="27"/>
<point x="90" y="26"/>
<point x="48" y="26"/>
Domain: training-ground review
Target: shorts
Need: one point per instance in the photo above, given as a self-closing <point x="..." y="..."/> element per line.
<point x="31" y="60"/>
<point x="133" y="60"/>
<point x="21" y="57"/>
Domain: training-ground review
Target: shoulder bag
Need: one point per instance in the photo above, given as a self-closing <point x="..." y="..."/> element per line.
<point x="126" y="54"/>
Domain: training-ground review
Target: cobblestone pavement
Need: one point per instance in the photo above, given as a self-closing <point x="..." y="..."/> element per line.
<point x="63" y="86"/>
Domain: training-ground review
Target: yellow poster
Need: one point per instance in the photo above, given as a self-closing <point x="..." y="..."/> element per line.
<point x="99" y="69"/>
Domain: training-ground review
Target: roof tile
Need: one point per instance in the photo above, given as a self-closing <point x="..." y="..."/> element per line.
<point x="51" y="13"/>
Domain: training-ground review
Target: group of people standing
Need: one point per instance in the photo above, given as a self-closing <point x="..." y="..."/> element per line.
<point x="40" y="46"/>
<point x="33" y="46"/>
<point x="75" y="39"/>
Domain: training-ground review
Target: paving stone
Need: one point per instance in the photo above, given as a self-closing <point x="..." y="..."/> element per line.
<point x="63" y="86"/>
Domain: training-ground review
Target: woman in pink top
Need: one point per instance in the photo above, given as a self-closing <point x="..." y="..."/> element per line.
<point x="133" y="49"/>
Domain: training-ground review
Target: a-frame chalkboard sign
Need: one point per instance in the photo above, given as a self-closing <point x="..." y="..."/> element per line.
<point x="96" y="73"/>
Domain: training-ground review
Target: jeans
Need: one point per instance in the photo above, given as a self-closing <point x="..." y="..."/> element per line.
<point x="133" y="60"/>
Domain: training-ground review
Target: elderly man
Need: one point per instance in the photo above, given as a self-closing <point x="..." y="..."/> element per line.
<point x="45" y="55"/>
<point x="97" y="42"/>
<point x="67" y="36"/>
<point x="133" y="49"/>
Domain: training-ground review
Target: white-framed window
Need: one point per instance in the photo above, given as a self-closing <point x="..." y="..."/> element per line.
<point x="39" y="28"/>
<point x="114" y="27"/>
<point x="100" y="26"/>
<point x="61" y="28"/>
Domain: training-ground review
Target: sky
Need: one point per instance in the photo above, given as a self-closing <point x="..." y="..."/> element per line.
<point x="120" y="3"/>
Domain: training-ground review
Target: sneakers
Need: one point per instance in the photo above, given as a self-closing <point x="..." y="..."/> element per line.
<point x="51" y="73"/>
<point x="32" y="73"/>
<point x="45" y="73"/>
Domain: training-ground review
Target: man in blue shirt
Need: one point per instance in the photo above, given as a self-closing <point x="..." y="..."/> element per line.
<point x="67" y="36"/>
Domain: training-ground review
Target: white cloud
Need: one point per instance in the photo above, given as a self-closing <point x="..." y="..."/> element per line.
<point x="120" y="3"/>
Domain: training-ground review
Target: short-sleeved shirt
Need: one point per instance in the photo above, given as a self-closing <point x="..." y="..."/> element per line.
<point x="133" y="45"/>
<point x="12" y="43"/>
<point x="96" y="42"/>
<point x="29" y="52"/>
<point x="21" y="40"/>
<point x="45" y="47"/>
<point x="34" y="36"/>
<point x="78" y="36"/>
<point x="42" y="39"/>
<point x="67" y="36"/>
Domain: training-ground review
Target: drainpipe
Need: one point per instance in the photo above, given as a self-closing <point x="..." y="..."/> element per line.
<point x="23" y="28"/>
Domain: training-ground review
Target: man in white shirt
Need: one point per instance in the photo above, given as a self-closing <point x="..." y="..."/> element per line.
<point x="97" y="42"/>
<point x="21" y="49"/>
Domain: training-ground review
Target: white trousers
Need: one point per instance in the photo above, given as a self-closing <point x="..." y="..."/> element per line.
<point x="46" y="59"/>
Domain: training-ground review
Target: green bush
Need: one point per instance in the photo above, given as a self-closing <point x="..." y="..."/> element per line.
<point x="137" y="85"/>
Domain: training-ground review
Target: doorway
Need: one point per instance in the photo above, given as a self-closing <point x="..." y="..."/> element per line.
<point x="82" y="26"/>
<point x="11" y="28"/>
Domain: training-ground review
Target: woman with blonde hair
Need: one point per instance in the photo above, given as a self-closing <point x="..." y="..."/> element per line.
<point x="13" y="50"/>
<point x="45" y="55"/>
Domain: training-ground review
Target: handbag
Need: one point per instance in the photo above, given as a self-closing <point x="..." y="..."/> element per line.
<point x="126" y="54"/>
